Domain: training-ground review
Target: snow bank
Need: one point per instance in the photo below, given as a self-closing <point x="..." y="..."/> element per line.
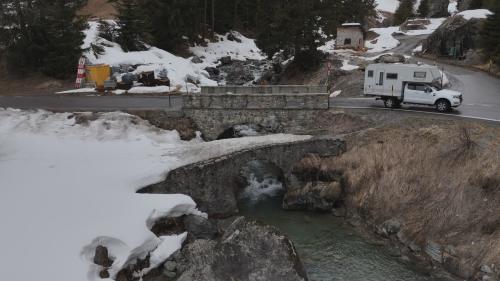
<point x="328" y="47"/>
<point x="68" y="187"/>
<point x="348" y="67"/>
<point x="178" y="69"/>
<point x="385" y="41"/>
<point x="246" y="49"/>
<point x="78" y="91"/>
<point x="475" y="14"/>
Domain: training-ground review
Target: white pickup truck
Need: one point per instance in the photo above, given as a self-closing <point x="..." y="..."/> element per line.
<point x="397" y="84"/>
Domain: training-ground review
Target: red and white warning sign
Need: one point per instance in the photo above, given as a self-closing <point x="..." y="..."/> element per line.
<point x="80" y="74"/>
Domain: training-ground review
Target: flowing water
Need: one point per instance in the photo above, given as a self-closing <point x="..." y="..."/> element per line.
<point x="328" y="248"/>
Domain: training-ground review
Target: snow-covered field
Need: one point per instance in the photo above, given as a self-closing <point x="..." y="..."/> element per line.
<point x="67" y="187"/>
<point x="179" y="69"/>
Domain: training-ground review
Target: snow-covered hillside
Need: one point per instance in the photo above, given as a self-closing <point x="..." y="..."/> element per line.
<point x="69" y="186"/>
<point x="180" y="70"/>
<point x="387" y="5"/>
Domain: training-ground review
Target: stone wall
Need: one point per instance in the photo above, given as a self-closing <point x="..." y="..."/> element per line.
<point x="274" y="113"/>
<point x="256" y="101"/>
<point x="213" y="184"/>
<point x="214" y="122"/>
<point x="276" y="89"/>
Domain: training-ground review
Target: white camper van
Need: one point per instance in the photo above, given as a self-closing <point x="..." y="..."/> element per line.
<point x="396" y="84"/>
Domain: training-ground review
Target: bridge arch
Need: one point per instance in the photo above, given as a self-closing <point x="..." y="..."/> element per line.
<point x="214" y="184"/>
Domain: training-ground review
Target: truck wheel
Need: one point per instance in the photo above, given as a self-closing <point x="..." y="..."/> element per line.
<point x="391" y="103"/>
<point x="443" y="105"/>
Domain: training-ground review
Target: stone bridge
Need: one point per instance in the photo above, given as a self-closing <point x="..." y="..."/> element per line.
<point x="275" y="109"/>
<point x="214" y="183"/>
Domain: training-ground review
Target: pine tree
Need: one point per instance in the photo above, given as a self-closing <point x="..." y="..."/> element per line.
<point x="423" y="8"/>
<point x="490" y="35"/>
<point x="131" y="25"/>
<point x="476" y="4"/>
<point x="404" y="11"/>
<point x="65" y="38"/>
<point x="42" y="36"/>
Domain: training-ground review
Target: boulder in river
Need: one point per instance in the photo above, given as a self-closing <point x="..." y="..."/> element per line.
<point x="247" y="251"/>
<point x="313" y="196"/>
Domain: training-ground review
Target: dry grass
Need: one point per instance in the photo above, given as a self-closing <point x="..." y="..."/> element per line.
<point x="442" y="181"/>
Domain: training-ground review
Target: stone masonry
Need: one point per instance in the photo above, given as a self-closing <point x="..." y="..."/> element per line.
<point x="213" y="184"/>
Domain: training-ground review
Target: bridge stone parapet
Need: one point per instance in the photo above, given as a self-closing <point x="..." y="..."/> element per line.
<point x="256" y="101"/>
<point x="274" y="89"/>
<point x="281" y="108"/>
<point x="214" y="184"/>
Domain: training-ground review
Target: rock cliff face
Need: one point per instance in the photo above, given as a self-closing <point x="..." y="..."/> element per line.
<point x="454" y="38"/>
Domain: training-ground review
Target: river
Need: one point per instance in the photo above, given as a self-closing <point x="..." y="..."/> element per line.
<point x="329" y="248"/>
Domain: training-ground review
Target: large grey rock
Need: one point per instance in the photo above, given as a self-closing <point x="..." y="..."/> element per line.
<point x="226" y="60"/>
<point x="391" y="226"/>
<point x="456" y="32"/>
<point x="101" y="257"/>
<point x="196" y="59"/>
<point x="199" y="227"/>
<point x="247" y="251"/>
<point x="391" y="58"/>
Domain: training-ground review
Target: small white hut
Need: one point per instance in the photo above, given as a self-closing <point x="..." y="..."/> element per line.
<point x="350" y="36"/>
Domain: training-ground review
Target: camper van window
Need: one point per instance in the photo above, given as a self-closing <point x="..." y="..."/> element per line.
<point x="392" y="76"/>
<point x="420" y="74"/>
<point x="370" y="73"/>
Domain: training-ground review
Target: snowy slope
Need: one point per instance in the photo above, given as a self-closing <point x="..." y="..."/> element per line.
<point x="386" y="40"/>
<point x="180" y="70"/>
<point x="67" y="187"/>
<point x="246" y="49"/>
<point x="156" y="59"/>
<point x="387" y="5"/>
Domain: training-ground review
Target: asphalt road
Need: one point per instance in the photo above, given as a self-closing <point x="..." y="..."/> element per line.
<point x="91" y="103"/>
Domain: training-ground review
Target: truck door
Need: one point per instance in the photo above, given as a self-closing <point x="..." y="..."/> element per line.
<point x="415" y="93"/>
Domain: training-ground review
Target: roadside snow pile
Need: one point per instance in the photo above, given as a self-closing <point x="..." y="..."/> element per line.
<point x="348" y="67"/>
<point x="475" y="14"/>
<point x="68" y="184"/>
<point x="387" y="5"/>
<point x="328" y="47"/>
<point x="233" y="44"/>
<point x="385" y="41"/>
<point x="78" y="91"/>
